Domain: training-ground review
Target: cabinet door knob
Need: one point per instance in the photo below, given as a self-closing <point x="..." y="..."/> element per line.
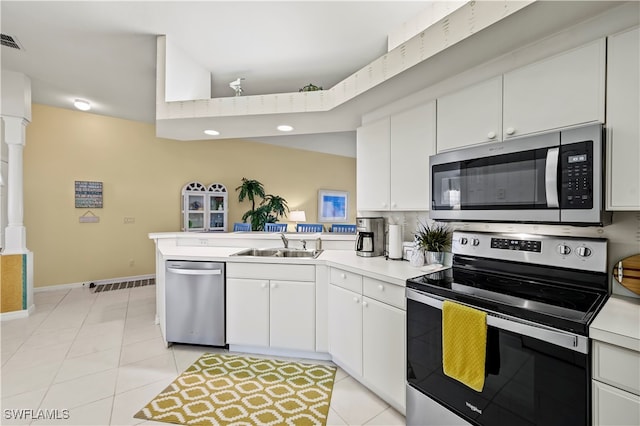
<point x="344" y="276"/>
<point x="510" y="131"/>
<point x="380" y="287"/>
<point x="355" y="299"/>
<point x="274" y="285"/>
<point x="394" y="205"/>
<point x="364" y="304"/>
<point x="263" y="285"/>
<point x="491" y="135"/>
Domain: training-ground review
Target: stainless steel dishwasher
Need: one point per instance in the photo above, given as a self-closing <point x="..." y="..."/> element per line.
<point x="195" y="302"/>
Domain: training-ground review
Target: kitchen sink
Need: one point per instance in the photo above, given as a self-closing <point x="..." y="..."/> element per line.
<point x="279" y="252"/>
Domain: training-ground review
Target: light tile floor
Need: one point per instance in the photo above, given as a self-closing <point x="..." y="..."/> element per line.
<point x="100" y="356"/>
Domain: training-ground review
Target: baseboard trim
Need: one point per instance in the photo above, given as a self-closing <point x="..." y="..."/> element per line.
<point x="24" y="313"/>
<point x="286" y="353"/>
<point x="97" y="282"/>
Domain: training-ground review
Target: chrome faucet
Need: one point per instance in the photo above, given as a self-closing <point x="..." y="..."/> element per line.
<point x="318" y="243"/>
<point x="285" y="241"/>
<point x="304" y="244"/>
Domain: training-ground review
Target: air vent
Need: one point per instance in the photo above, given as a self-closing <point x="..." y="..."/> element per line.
<point x="9" y="41"/>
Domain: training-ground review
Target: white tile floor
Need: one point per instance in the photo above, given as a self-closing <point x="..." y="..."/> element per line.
<point x="101" y="357"/>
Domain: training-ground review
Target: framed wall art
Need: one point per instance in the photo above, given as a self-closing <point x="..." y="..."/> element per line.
<point x="88" y="194"/>
<point x="333" y="206"/>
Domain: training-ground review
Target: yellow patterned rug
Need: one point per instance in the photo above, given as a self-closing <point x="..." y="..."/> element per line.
<point x="227" y="389"/>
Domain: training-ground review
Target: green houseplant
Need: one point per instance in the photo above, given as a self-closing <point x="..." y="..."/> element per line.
<point x="268" y="210"/>
<point x="433" y="240"/>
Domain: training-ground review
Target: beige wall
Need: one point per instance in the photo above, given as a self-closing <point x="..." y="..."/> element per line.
<point x="142" y="177"/>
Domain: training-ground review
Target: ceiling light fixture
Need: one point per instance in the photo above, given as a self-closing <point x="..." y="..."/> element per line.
<point x="211" y="132"/>
<point x="285" y="128"/>
<point x="82" y="105"/>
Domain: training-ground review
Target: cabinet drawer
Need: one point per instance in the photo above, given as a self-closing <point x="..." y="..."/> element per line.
<point x="270" y="271"/>
<point x="384" y="292"/>
<point x="346" y="279"/>
<point x="619" y="367"/>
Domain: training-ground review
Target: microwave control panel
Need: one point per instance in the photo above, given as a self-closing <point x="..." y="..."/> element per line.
<point x="576" y="161"/>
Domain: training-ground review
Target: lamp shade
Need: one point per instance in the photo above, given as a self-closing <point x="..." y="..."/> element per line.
<point x="298" y="216"/>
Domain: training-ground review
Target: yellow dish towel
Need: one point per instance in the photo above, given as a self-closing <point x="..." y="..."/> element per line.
<point x="464" y="344"/>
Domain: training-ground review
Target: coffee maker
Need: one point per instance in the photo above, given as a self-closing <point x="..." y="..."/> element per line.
<point x="370" y="240"/>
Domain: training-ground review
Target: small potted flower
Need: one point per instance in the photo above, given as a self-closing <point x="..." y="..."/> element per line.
<point x="433" y="241"/>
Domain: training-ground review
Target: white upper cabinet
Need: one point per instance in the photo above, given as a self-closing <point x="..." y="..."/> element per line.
<point x="372" y="165"/>
<point x="413" y="136"/>
<point x="560" y="91"/>
<point x="469" y="116"/>
<point x="564" y="90"/>
<point x="623" y="129"/>
<point x="393" y="160"/>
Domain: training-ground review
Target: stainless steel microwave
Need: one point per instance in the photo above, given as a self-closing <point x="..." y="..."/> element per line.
<point x="555" y="177"/>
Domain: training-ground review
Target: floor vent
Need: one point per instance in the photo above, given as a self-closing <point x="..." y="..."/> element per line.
<point x="9" y="41"/>
<point x="122" y="285"/>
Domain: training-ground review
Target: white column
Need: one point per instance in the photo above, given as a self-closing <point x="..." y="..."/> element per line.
<point x="15" y="138"/>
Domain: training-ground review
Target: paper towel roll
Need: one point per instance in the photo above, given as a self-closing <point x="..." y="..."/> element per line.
<point x="395" y="242"/>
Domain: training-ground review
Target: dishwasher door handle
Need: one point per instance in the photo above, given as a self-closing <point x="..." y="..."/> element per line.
<point x="195" y="271"/>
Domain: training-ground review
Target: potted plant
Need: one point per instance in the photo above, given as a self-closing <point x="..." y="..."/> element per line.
<point x="269" y="210"/>
<point x="433" y="240"/>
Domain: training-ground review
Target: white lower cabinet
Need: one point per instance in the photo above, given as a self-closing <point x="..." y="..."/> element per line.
<point x="272" y="311"/>
<point x="367" y="329"/>
<point x="345" y="328"/>
<point x="292" y="315"/>
<point x="247" y="312"/>
<point x="383" y="353"/>
<point x="616" y="385"/>
<point x="614" y="407"/>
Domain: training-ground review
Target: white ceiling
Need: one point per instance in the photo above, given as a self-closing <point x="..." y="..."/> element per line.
<point x="105" y="52"/>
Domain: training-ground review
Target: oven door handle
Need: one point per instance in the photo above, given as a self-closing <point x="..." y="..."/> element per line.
<point x="559" y="338"/>
<point x="551" y="177"/>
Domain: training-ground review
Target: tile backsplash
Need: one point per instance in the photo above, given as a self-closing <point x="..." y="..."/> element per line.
<point x="623" y="234"/>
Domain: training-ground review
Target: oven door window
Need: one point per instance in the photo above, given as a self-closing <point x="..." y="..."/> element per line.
<point x="509" y="181"/>
<point x="528" y="382"/>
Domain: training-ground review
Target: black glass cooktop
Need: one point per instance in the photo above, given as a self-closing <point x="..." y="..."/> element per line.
<point x="545" y="296"/>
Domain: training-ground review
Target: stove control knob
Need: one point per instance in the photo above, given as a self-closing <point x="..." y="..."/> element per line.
<point x="564" y="249"/>
<point x="463" y="241"/>
<point x="583" y="251"/>
<point x="475" y="242"/>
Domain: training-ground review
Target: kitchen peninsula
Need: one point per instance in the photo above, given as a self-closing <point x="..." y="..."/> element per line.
<point x="336" y="306"/>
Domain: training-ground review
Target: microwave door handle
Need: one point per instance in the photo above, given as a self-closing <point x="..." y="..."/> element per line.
<point x="551" y="177"/>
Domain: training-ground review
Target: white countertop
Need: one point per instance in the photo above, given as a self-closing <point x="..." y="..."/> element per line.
<point x="618" y="323"/>
<point x="392" y="271"/>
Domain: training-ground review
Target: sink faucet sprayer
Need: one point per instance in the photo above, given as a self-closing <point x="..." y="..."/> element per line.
<point x="285" y="241"/>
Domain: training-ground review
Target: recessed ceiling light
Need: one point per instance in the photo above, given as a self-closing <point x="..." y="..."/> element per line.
<point x="211" y="132"/>
<point x="285" y="128"/>
<point x="82" y="105"/>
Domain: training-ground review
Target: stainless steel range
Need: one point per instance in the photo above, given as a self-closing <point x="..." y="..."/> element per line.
<point x="540" y="294"/>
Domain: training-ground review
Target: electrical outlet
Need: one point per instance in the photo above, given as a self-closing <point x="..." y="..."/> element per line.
<point x="128" y="220"/>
